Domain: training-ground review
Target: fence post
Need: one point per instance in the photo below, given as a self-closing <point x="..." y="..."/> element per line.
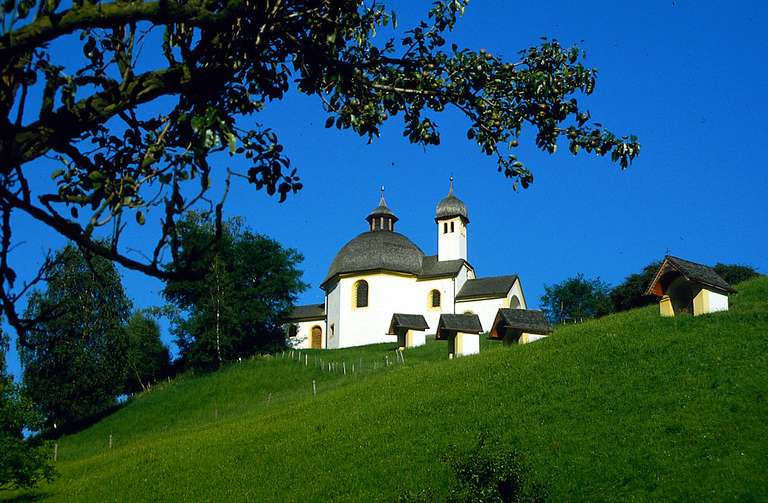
<point x="110" y="440"/>
<point x="314" y="388"/>
<point x="55" y="452"/>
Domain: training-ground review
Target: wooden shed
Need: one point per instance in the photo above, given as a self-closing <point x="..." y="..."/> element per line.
<point x="462" y="333"/>
<point x="520" y="326"/>
<point x="409" y="329"/>
<point x="688" y="287"/>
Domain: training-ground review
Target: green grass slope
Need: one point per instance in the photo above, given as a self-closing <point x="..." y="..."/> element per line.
<point x="628" y="407"/>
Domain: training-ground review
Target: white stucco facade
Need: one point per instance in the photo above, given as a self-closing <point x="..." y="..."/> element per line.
<point x="381" y="272"/>
<point x="486" y="308"/>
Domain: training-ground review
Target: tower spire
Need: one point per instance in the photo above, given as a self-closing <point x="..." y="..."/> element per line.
<point x="381" y="218"/>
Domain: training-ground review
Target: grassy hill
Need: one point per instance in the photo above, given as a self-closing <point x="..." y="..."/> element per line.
<point x="631" y="406"/>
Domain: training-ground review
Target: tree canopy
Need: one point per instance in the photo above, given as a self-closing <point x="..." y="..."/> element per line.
<point x="248" y="283"/>
<point x="24" y="459"/>
<point x="735" y="273"/>
<point x="132" y="133"/>
<point x="74" y="355"/>
<point x="147" y="358"/>
<point x="576" y="299"/>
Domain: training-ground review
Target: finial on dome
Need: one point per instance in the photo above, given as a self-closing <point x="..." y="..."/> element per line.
<point x="450" y="189"/>
<point x="382" y="202"/>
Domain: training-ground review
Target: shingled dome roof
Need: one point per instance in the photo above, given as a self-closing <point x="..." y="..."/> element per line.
<point x="370" y="251"/>
<point x="451" y="206"/>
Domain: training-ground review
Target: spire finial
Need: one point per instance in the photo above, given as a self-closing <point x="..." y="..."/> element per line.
<point x="450" y="189"/>
<point x="382" y="202"/>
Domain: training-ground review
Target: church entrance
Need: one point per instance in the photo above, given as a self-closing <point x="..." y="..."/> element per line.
<point x="317" y="338"/>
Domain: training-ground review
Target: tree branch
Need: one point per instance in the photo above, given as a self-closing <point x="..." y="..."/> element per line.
<point x="108" y="15"/>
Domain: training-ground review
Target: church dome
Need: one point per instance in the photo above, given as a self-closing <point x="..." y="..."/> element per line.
<point x="451" y="206"/>
<point x="376" y="250"/>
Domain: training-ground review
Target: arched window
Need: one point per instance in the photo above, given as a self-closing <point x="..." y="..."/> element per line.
<point x="434" y="298"/>
<point x="361" y="294"/>
<point x="451" y="226"/>
<point x="293" y="330"/>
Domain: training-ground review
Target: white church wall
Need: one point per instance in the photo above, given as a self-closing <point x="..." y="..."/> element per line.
<point x="432" y="315"/>
<point x="487" y="308"/>
<point x="302" y="339"/>
<point x="333" y="316"/>
<point x="516" y="297"/>
<point x="464" y="274"/>
<point x="387" y="294"/>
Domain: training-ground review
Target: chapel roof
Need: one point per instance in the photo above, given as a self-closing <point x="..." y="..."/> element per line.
<point x="407" y="321"/>
<point x="691" y="271"/>
<point x="467" y="323"/>
<point x="372" y="251"/>
<point x="431" y="267"/>
<point x="451" y="206"/>
<point x="306" y="313"/>
<point x="527" y="320"/>
<point x="495" y="286"/>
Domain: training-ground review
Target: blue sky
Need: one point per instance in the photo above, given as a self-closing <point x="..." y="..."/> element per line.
<point x="688" y="78"/>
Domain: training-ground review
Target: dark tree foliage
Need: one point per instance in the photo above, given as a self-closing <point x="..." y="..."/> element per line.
<point x="147" y="359"/>
<point x="492" y="472"/>
<point x="74" y="356"/>
<point x="249" y="282"/>
<point x="630" y="293"/>
<point x="160" y="85"/>
<point x="735" y="273"/>
<point x="24" y="460"/>
<point x="576" y="299"/>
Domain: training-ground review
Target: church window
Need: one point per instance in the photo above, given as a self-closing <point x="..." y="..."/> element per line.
<point x="445" y="227"/>
<point x="361" y="294"/>
<point x="293" y="330"/>
<point x="434" y="298"/>
<point x="451" y="226"/>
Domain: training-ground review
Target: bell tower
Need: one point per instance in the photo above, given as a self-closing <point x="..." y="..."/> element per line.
<point x="452" y="218"/>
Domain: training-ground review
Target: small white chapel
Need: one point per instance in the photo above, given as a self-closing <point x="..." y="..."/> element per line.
<point x="381" y="272"/>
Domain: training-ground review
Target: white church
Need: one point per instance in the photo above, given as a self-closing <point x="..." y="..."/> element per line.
<point x="381" y="272"/>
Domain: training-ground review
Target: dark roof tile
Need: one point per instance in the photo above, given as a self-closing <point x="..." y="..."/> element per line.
<point x="467" y="323"/>
<point x="486" y="287"/>
<point x="431" y="267"/>
<point x="527" y="320"/>
<point x="307" y="312"/>
<point x="381" y="250"/>
<point x="692" y="271"/>
<point x="408" y="321"/>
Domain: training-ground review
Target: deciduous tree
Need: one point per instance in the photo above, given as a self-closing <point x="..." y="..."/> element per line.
<point x="163" y="84"/>
<point x="576" y="299"/>
<point x="735" y="273"/>
<point x="147" y="357"/>
<point x="249" y="281"/>
<point x="74" y="356"/>
<point x="631" y="292"/>
<point x="25" y="459"/>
